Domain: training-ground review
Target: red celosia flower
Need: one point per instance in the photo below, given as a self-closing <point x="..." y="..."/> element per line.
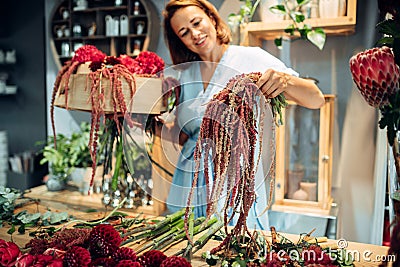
<point x="150" y="63"/>
<point x="130" y="63"/>
<point x="96" y="65"/>
<point x="111" y="60"/>
<point x="376" y="75"/>
<point x="77" y="257"/>
<point x="124" y="253"/>
<point x="88" y="53"/>
<point x="9" y="252"/>
<point x="128" y="263"/>
<point x="152" y="258"/>
<point x="175" y="261"/>
<point x="104" y="240"/>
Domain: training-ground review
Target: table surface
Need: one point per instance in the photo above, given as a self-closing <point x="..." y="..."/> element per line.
<point x="77" y="205"/>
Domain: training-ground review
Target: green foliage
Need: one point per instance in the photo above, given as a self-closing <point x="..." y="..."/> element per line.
<point x="391" y="36"/>
<point x="245" y="13"/>
<point x="391" y="117"/>
<point x="23" y="219"/>
<point x="69" y="152"/>
<point x="316" y="36"/>
<point x="8" y="196"/>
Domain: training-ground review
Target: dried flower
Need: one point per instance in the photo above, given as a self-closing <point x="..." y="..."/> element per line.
<point x="69" y="237"/>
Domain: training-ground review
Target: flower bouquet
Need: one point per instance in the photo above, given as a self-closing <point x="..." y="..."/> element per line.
<point x="109" y="87"/>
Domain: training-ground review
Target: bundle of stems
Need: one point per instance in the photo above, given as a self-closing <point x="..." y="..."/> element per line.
<point x="170" y="231"/>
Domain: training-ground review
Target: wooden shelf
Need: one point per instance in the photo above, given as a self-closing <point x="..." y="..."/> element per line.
<point x="113" y="45"/>
<point x="254" y="32"/>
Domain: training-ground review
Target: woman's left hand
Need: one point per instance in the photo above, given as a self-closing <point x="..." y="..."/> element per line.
<point x="273" y="82"/>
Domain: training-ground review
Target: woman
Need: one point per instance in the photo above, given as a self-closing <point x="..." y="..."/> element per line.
<point x="197" y="37"/>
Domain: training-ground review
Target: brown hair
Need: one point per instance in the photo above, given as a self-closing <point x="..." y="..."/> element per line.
<point x="178" y="51"/>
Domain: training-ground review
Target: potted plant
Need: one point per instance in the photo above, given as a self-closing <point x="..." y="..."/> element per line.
<point x="80" y="159"/>
<point x="58" y="160"/>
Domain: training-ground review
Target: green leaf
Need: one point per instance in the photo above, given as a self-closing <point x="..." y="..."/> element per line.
<point x="302" y="2"/>
<point x="278" y="42"/>
<point x="385" y="41"/>
<point x="317" y="37"/>
<point x="299" y="17"/>
<point x="388" y="27"/>
<point x="289" y="29"/>
<point x="11" y="230"/>
<point x="21" y="229"/>
<point x="58" y="217"/>
<point x="278" y="9"/>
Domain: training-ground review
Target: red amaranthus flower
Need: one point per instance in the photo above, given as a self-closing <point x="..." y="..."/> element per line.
<point x="376" y="75"/>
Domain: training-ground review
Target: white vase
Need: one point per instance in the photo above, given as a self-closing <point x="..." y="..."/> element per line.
<point x="329" y="8"/>
<point x="311" y="189"/>
<point x="265" y="14"/>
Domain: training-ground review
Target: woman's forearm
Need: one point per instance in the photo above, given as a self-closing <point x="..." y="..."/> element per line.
<point x="304" y="92"/>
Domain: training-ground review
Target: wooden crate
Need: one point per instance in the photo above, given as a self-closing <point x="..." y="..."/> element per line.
<point x="146" y="100"/>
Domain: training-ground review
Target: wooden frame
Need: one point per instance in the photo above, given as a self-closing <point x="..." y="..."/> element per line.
<point x="254" y="32"/>
<point x="323" y="202"/>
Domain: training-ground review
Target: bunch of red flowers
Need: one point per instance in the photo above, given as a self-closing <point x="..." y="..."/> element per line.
<point x="79" y="247"/>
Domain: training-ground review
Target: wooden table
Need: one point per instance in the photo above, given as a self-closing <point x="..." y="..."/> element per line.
<point x="77" y="205"/>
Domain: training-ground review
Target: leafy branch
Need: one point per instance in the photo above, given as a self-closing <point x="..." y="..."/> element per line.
<point x="245" y="13"/>
<point x="316" y="36"/>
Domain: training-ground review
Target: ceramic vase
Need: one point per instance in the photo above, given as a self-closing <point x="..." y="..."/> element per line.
<point x="56" y="182"/>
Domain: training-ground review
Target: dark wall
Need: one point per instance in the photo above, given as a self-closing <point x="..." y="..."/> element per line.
<point x="23" y="115"/>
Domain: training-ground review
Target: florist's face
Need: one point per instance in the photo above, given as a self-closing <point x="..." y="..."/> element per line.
<point x="196" y="30"/>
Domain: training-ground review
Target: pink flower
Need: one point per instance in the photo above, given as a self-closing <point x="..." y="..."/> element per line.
<point x="9" y="253"/>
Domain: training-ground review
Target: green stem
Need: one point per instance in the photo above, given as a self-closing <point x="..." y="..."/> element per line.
<point x="118" y="163"/>
<point x="207" y="236"/>
<point x="93" y="222"/>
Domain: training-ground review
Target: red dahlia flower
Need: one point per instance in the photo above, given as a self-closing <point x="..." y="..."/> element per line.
<point x="175" y="261"/>
<point x="376" y="75"/>
<point x="104" y="240"/>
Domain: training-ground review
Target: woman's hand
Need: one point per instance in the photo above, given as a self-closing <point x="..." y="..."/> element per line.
<point x="273" y="82"/>
<point x="304" y="92"/>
